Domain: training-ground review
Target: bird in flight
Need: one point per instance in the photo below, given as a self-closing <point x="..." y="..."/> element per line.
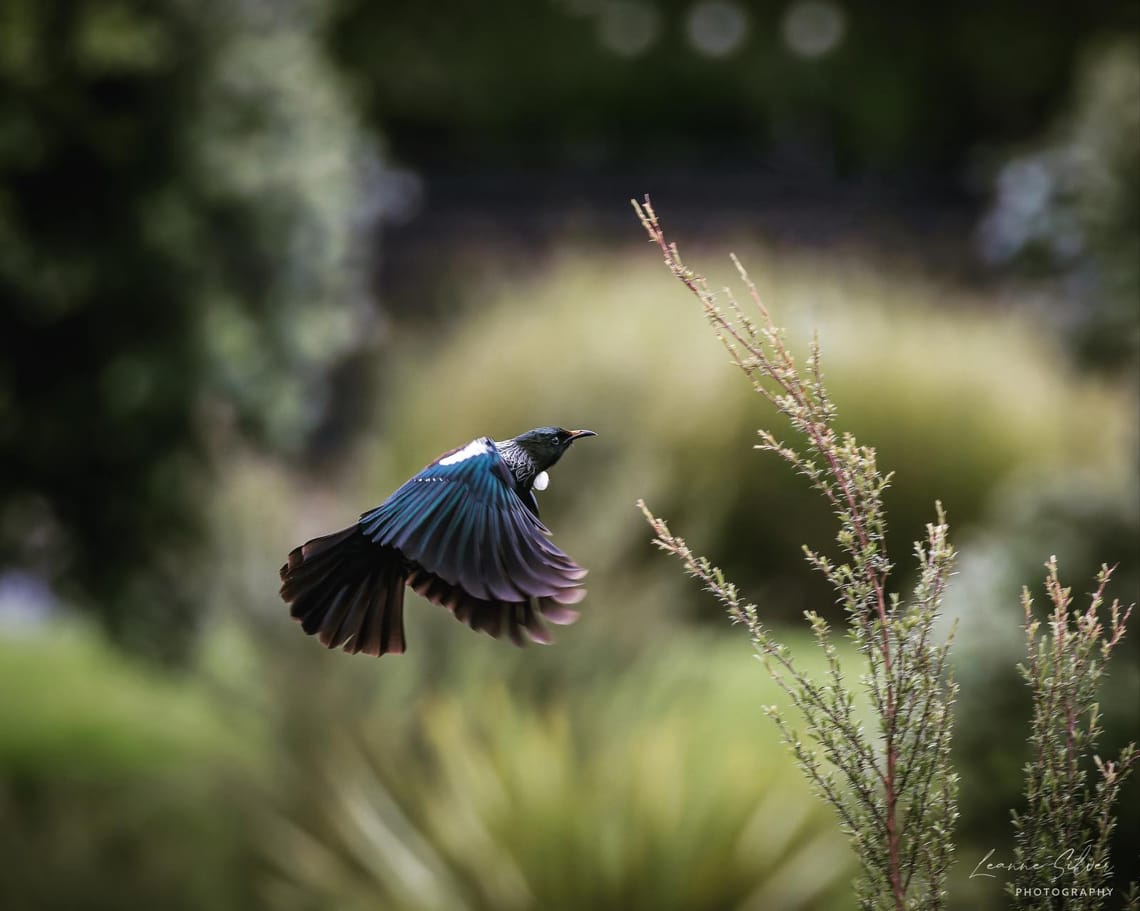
<point x="464" y="532"/>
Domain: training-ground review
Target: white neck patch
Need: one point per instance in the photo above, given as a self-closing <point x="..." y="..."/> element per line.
<point x="541" y="481"/>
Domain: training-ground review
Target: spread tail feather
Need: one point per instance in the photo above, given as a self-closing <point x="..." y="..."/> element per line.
<point x="348" y="591"/>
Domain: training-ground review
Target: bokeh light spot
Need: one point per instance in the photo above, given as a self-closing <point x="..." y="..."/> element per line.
<point x="717" y="28"/>
<point x="628" y="27"/>
<point x="814" y="28"/>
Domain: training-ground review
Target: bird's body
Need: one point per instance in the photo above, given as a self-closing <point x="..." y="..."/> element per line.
<point x="464" y="532"/>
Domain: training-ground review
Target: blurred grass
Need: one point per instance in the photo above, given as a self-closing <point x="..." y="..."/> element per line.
<point x="117" y="782"/>
<point x="86" y="710"/>
<point x="653" y="783"/>
<point x="657" y="783"/>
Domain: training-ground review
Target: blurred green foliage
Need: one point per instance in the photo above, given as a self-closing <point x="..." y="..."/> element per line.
<point x="966" y="401"/>
<point x="957" y="396"/>
<point x="1069" y="208"/>
<point x="655" y="784"/>
<point x="85" y="710"/>
<point x="114" y="783"/>
<point x="186" y="191"/>
<point x="178" y="183"/>
<point x="185" y="196"/>
<point x="634" y="750"/>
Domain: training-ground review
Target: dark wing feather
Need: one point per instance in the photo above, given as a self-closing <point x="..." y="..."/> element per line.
<point x="521" y="619"/>
<point x="462" y="521"/>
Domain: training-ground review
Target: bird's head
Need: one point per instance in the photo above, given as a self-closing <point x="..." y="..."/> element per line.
<point x="545" y="445"/>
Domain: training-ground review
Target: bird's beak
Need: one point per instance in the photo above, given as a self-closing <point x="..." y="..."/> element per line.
<point x="578" y="434"/>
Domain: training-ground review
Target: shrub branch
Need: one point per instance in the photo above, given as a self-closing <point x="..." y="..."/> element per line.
<point x="1062" y="838"/>
<point x="894" y="791"/>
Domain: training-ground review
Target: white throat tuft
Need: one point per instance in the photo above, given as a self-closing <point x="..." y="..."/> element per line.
<point x="541" y="481"/>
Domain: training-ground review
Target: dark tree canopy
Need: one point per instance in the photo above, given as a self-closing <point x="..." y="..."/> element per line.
<point x="853" y="88"/>
<point x="171" y="251"/>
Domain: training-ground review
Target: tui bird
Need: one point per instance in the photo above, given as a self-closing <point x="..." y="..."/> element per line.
<point x="464" y="533"/>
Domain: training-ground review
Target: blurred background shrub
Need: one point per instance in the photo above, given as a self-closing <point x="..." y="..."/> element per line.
<point x="179" y="184"/>
<point x="1070" y="208"/>
<point x="115" y="779"/>
<point x="260" y="260"/>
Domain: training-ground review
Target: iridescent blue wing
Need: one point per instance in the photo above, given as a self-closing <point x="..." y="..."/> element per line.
<point x="461" y="520"/>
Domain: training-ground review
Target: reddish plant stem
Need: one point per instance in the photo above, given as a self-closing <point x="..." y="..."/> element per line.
<point x="890" y="793"/>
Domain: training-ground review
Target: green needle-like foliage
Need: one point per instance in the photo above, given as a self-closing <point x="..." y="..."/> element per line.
<point x="893" y="788"/>
<point x="1062" y="838"/>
